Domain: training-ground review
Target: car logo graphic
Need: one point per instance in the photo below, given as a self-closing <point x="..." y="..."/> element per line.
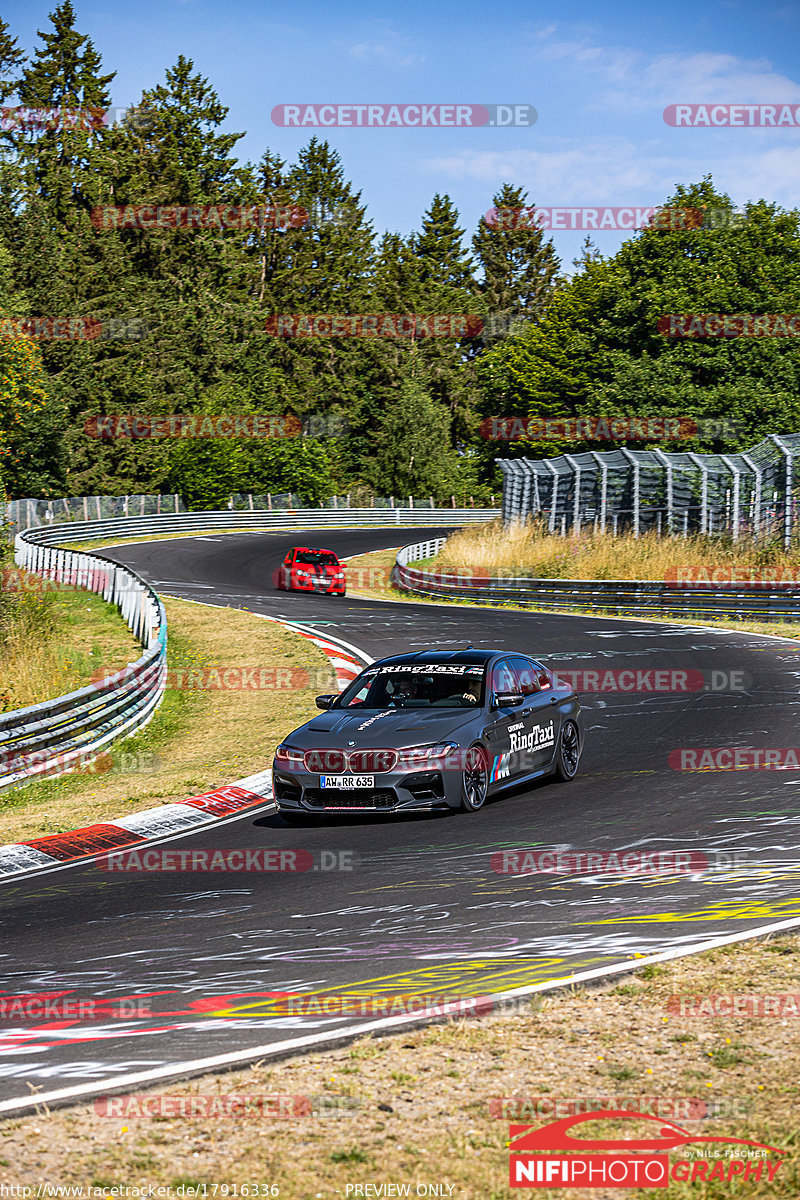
<point x="351" y="743"/>
<point x="557" y="1136"/>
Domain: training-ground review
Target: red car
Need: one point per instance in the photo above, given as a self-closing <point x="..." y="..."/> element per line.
<point x="309" y="569"/>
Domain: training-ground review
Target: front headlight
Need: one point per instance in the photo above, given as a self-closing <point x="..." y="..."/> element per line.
<point x="421" y="756"/>
<point x="288" y="756"/>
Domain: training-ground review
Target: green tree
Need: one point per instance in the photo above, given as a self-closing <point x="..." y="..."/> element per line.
<point x="30" y="421"/>
<point x="520" y="266"/>
<point x="598" y="350"/>
<point x="412" y="452"/>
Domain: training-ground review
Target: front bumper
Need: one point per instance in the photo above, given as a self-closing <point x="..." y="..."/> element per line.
<point x="394" y="791"/>
<point x="320" y="585"/>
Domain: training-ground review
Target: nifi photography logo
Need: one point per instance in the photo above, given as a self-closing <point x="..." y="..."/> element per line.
<point x="550" y="1156"/>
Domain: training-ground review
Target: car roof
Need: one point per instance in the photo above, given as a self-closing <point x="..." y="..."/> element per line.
<point x="434" y="655"/>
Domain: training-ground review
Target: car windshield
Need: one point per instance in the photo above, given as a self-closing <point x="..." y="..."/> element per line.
<point x="412" y="685"/>
<point x="324" y="558"/>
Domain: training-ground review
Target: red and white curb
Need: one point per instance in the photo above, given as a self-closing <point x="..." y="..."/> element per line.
<point x="165" y="821"/>
<point x="347" y="660"/>
<point x="170" y="820"/>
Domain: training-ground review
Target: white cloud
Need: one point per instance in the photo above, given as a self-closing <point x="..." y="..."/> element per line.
<point x="387" y="48"/>
<point x="617" y="171"/>
<point x="631" y="79"/>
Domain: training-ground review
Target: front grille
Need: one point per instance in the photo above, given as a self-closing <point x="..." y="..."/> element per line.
<point x="360" y="762"/>
<point x="325" y="762"/>
<point x="377" y="798"/>
<point x="371" y="762"/>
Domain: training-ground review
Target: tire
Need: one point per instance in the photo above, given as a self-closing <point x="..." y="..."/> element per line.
<point x="474" y="779"/>
<point x="568" y="752"/>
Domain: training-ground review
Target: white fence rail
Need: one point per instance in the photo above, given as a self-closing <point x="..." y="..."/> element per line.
<point x="54" y="737"/>
<point x="58" y="735"/>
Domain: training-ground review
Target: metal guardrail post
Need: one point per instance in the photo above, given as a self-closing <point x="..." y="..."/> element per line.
<point x="736" y="473"/>
<point x="635" y="464"/>
<point x="553" y="496"/>
<point x="756" y="491"/>
<point x="787" y="515"/>
<point x="703" y="469"/>
<point x="662" y="458"/>
<point x="603" y="488"/>
<point x="576" y="506"/>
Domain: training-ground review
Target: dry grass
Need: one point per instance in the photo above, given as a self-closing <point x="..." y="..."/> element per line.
<point x="372" y="572"/>
<point x="198" y="739"/>
<point x="421" y="1100"/>
<point x="529" y="550"/>
<point x="53" y="642"/>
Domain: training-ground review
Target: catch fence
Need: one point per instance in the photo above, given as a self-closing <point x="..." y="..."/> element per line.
<point x="747" y="494"/>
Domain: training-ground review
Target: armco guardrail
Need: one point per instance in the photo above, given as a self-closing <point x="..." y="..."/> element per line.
<point x="53" y="737"/>
<point x="300" y="518"/>
<point x="636" y="597"/>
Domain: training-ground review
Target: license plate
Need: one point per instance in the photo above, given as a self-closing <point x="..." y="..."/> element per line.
<point x="347" y="781"/>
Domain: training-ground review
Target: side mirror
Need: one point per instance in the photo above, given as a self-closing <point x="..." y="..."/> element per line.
<point x="324" y="702"/>
<point x="507" y="699"/>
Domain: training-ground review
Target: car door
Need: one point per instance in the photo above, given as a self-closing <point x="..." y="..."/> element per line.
<point x="504" y="724"/>
<point x="540" y="715"/>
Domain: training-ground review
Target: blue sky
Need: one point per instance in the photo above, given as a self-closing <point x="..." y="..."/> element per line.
<point x="599" y="77"/>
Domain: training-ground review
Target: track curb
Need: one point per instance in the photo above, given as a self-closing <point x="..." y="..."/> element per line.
<point x="18" y="859"/>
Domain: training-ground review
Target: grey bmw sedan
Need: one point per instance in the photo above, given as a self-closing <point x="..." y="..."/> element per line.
<point x="437" y="729"/>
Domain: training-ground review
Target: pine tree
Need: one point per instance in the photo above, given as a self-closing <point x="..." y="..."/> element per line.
<point x="520" y="266"/>
<point x="439" y="249"/>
